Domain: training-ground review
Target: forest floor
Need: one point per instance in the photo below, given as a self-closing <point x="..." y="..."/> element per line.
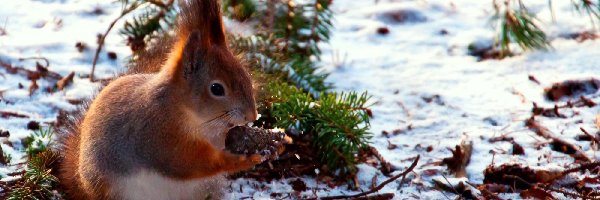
<point x="429" y="93"/>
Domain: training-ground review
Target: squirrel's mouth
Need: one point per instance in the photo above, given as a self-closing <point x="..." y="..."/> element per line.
<point x="233" y="123"/>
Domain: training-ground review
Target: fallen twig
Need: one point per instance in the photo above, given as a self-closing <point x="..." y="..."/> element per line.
<point x="588" y="166"/>
<point x="380" y="186"/>
<point x="384" y="196"/>
<point x="13" y="70"/>
<point x="7" y="114"/>
<point x="386" y="167"/>
<point x="124" y="12"/>
<point x="567" y="193"/>
<point x="536" y="127"/>
<point x="593" y="138"/>
<point x="554" y="111"/>
<point x="460" y="189"/>
<point x="37" y="58"/>
<point x="41" y="71"/>
<point x="448" y="188"/>
<point x="484" y="192"/>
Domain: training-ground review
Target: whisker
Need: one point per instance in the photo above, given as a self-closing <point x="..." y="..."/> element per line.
<point x="225" y="118"/>
<point x="217" y="117"/>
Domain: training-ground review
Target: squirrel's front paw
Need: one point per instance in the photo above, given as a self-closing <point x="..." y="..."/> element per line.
<point x="249" y="161"/>
<point x="256" y="158"/>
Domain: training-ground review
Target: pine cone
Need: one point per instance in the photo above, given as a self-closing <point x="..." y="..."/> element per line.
<point x="253" y="140"/>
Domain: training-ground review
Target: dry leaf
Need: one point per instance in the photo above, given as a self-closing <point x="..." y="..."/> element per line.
<point x="461" y="156"/>
<point x="65" y="81"/>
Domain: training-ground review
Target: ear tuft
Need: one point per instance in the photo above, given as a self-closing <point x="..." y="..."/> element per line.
<point x="204" y="16"/>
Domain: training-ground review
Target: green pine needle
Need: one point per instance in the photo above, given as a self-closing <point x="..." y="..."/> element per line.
<point x="37" y="181"/>
<point x="519" y="26"/>
<point x="589" y="7"/>
<point x="39" y="141"/>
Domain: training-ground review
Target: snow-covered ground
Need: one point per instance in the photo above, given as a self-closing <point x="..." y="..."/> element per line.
<point x="51" y="29"/>
<point x="422" y="80"/>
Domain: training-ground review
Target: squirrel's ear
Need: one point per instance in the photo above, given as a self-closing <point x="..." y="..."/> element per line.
<point x="187" y="54"/>
<point x="217" y="32"/>
<point x="204" y="16"/>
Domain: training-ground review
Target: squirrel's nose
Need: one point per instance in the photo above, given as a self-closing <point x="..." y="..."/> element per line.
<point x="251" y="115"/>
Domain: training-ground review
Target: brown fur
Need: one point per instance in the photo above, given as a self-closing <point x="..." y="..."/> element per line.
<point x="164" y="119"/>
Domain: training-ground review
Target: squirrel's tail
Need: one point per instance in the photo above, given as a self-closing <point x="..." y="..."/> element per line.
<point x="68" y="148"/>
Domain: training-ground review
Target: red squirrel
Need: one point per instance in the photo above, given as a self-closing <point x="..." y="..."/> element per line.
<point x="159" y="133"/>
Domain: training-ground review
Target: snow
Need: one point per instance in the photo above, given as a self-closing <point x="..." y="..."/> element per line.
<point x="470" y="99"/>
<point x="50" y="29"/>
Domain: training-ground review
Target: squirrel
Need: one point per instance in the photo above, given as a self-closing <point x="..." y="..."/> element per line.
<point x="159" y="132"/>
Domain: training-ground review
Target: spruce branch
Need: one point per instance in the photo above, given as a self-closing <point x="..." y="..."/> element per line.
<point x="262" y="52"/>
<point x="153" y="22"/>
<point x="518" y="25"/>
<point x="37" y="182"/>
<point x="339" y="122"/>
<point x="298" y="31"/>
<point x="240" y="10"/>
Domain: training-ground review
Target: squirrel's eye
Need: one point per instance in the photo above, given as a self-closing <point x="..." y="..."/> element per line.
<point x="217" y="89"/>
